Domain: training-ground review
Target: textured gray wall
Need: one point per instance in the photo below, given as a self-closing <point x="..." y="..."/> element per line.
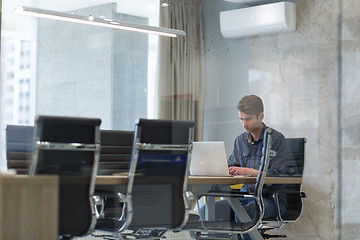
<point x="309" y="82"/>
<point x="350" y="119"/>
<point x="297" y="76"/>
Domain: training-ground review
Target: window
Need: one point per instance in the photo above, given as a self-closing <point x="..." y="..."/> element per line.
<point x="82" y="70"/>
<point x="10" y="48"/>
<point x="79" y="70"/>
<point x="10" y="75"/>
<point x="10" y="89"/>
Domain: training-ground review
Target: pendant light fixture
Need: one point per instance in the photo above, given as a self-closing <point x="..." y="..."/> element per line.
<point x="93" y="21"/>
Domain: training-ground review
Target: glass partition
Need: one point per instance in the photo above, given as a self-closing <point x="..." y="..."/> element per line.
<point x="51" y="67"/>
<point x="60" y="68"/>
<point x="307" y="79"/>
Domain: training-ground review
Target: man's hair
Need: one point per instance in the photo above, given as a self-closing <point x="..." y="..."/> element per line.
<point x="251" y="104"/>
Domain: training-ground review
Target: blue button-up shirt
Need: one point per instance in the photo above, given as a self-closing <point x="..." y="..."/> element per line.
<point x="248" y="153"/>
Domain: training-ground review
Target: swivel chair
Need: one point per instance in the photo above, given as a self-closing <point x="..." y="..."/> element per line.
<point x="115" y="158"/>
<point x="69" y="147"/>
<point x="295" y="158"/>
<point x="155" y="200"/>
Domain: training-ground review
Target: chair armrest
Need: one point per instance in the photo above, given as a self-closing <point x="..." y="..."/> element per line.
<point x="302" y="194"/>
<point x="230" y="193"/>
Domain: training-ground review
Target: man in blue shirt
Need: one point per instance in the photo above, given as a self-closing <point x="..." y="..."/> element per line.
<point x="246" y="156"/>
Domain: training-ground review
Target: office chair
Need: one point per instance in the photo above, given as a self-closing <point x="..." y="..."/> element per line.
<point x="208" y="229"/>
<point x="19" y="143"/>
<point x="295" y="158"/>
<point x="69" y="147"/>
<point x="155" y="200"/>
<point x="115" y="157"/>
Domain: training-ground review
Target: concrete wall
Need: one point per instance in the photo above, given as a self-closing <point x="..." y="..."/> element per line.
<point x="309" y="81"/>
<point x="297" y="75"/>
<point x="350" y="119"/>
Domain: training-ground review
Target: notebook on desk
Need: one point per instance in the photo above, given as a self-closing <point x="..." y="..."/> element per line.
<point x="209" y="159"/>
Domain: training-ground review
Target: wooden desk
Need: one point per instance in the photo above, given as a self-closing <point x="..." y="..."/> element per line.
<point x="28" y="207"/>
<point x="122" y="180"/>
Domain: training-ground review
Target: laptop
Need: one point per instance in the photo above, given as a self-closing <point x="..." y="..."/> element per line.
<point x="209" y="159"/>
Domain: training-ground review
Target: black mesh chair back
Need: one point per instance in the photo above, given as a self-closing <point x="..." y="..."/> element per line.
<point x="161" y="159"/>
<point x="295" y="156"/>
<point x="115" y="157"/>
<point x="69" y="147"/>
<point x="19" y="143"/>
<point x="116" y="149"/>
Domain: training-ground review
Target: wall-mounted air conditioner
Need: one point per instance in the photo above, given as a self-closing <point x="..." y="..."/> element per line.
<point x="257" y="20"/>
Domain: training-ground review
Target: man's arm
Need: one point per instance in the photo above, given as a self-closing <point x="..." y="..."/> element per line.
<point x="243" y="171"/>
<point x="234" y="161"/>
<point x="276" y="165"/>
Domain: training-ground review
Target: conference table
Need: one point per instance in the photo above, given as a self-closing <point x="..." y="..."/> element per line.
<point x="202" y="184"/>
<point x="205" y="180"/>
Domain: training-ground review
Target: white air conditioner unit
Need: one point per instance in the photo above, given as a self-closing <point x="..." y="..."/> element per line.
<point x="257" y="20"/>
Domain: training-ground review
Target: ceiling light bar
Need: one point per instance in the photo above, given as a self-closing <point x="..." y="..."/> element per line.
<point x="90" y="20"/>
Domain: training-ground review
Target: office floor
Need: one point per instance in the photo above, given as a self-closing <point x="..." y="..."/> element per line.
<point x="168" y="236"/>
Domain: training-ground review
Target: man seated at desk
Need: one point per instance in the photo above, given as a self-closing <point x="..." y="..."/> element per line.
<point x="245" y="160"/>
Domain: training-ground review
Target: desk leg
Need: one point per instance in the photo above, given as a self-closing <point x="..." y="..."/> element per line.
<point x="210" y="209"/>
<point x="243" y="216"/>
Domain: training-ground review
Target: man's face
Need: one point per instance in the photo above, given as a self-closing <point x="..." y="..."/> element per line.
<point x="250" y="122"/>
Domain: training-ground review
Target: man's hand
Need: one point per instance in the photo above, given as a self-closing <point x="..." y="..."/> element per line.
<point x="243" y="171"/>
